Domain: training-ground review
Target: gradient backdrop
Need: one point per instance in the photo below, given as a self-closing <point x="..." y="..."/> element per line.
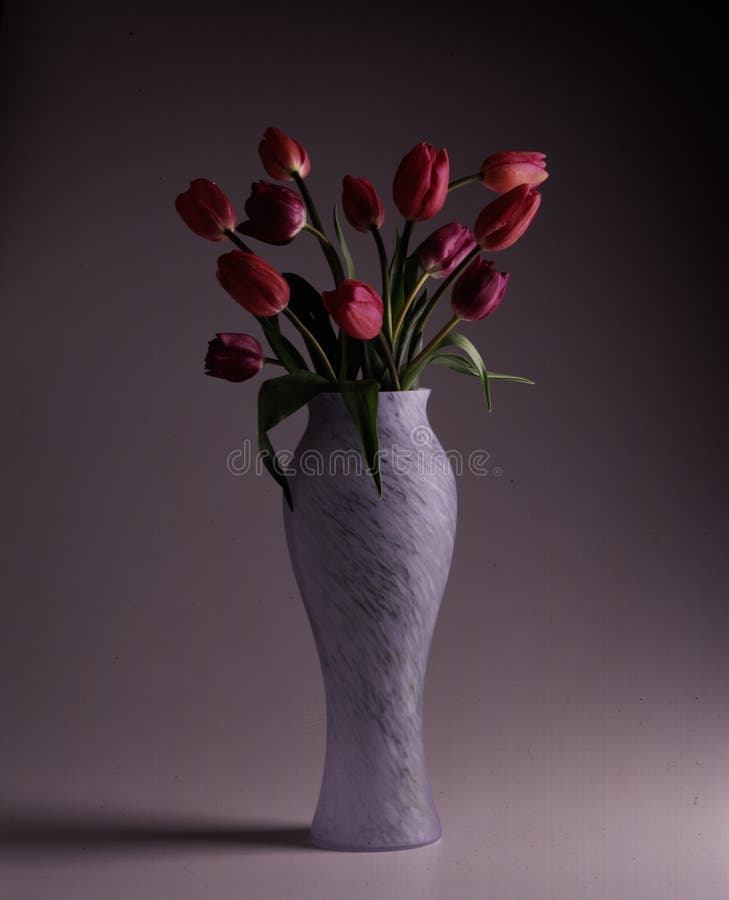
<point x="161" y="710"/>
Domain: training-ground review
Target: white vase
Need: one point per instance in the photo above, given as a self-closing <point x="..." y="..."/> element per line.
<point x="371" y="572"/>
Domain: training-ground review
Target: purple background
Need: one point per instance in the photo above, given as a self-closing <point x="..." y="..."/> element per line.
<point x="161" y="712"/>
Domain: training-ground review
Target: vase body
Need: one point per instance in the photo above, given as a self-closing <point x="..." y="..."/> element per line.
<point x="371" y="572"/>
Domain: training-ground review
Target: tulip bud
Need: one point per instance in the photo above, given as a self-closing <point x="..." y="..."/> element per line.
<point x="206" y="210"/>
<point x="282" y="156"/>
<point x="356" y="308"/>
<point x="421" y="182"/>
<point x="276" y="214"/>
<point x="505" y="219"/>
<point x="479" y="290"/>
<point x="361" y="203"/>
<point x="253" y="283"/>
<point x="234" y="357"/>
<point x="505" y="170"/>
<point x="445" y="249"/>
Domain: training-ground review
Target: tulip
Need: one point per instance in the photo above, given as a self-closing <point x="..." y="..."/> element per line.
<point x="234" y="357"/>
<point x="505" y="170"/>
<point x="206" y="210"/>
<point x="361" y="203"/>
<point x="421" y="182"/>
<point x="282" y="156"/>
<point x="356" y="308"/>
<point x="253" y="283"/>
<point x="276" y="214"/>
<point x="445" y="249"/>
<point x="478" y="291"/>
<point x="505" y="219"/>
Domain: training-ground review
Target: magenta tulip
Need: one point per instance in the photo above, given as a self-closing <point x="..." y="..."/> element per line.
<point x="445" y="249"/>
<point x="206" y="210"/>
<point x="478" y="291"/>
<point x="282" y="156"/>
<point x="356" y="308"/>
<point x="276" y="214"/>
<point x="253" y="283"/>
<point x="234" y="357"/>
<point x="505" y="170"/>
<point x="361" y="203"/>
<point x="505" y="219"/>
<point x="421" y="182"/>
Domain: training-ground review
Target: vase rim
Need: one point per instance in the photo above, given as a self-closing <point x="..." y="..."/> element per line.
<point x="386" y="393"/>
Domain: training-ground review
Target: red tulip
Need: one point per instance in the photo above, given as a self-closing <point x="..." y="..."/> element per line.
<point x="505" y="219"/>
<point x="276" y="214"/>
<point x="505" y="170"/>
<point x="356" y="308"/>
<point x="421" y="182"/>
<point x="234" y="357"/>
<point x="478" y="291"/>
<point x="253" y="283"/>
<point x="361" y="203"/>
<point x="206" y="210"/>
<point x="445" y="249"/>
<point x="282" y="156"/>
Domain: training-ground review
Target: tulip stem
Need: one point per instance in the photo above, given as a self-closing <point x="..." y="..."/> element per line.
<point x="237" y="241"/>
<point x="460" y="182"/>
<point x="390" y="360"/>
<point x="432" y="303"/>
<point x="408" y="303"/>
<point x="409" y="374"/>
<point x="311" y="341"/>
<point x="331" y="254"/>
<point x="382" y="253"/>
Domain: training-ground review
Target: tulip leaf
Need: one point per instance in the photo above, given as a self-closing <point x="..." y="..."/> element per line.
<point x="458" y="340"/>
<point x="412" y="319"/>
<point x="361" y="398"/>
<point x="348" y="261"/>
<point x="278" y="398"/>
<point x="499" y="376"/>
<point x="281" y="345"/>
<point x="306" y="303"/>
<point x="455" y="362"/>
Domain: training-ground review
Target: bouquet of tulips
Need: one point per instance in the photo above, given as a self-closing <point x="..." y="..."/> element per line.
<point x="379" y="341"/>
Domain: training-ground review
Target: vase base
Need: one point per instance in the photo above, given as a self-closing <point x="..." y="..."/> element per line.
<point x="373" y="848"/>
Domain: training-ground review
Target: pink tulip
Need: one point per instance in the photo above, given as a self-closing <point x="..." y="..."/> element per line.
<point x="234" y="357"/>
<point x="505" y="219"/>
<point x="361" y="203"/>
<point x="206" y="210"/>
<point x="253" y="283"/>
<point x="421" y="182"/>
<point x="282" y="156"/>
<point x="505" y="170"/>
<point x="276" y="214"/>
<point x="445" y="249"/>
<point x="478" y="291"/>
<point x="356" y="308"/>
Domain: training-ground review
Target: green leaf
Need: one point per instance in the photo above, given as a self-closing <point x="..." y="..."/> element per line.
<point x="458" y="340"/>
<point x="455" y="362"/>
<point x="361" y="399"/>
<point x="348" y="261"/>
<point x="278" y="398"/>
<point x="306" y="303"/>
<point x="412" y="318"/>
<point x="281" y="345"/>
<point x="499" y="376"/>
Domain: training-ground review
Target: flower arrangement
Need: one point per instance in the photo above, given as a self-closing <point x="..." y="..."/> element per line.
<point x="379" y="342"/>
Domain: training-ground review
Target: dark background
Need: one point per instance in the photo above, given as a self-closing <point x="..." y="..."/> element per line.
<point x="161" y="712"/>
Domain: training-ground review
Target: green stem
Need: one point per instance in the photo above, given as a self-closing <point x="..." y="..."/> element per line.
<point x="460" y="182"/>
<point x="408" y="303"/>
<point x="237" y="241"/>
<point x="312" y="342"/>
<point x="382" y="253"/>
<point x="390" y="361"/>
<point x="433" y="302"/>
<point x="429" y="348"/>
<point x="329" y="252"/>
<point x="308" y="200"/>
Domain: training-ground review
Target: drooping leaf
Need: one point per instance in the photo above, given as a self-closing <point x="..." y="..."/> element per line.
<point x="458" y="340"/>
<point x="306" y="303"/>
<point x="348" y="261"/>
<point x="499" y="376"/>
<point x="281" y="345"/>
<point x="455" y="362"/>
<point x="361" y="398"/>
<point x="278" y="398"/>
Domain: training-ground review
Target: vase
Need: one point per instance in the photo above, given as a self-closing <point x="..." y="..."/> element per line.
<point x="371" y="571"/>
